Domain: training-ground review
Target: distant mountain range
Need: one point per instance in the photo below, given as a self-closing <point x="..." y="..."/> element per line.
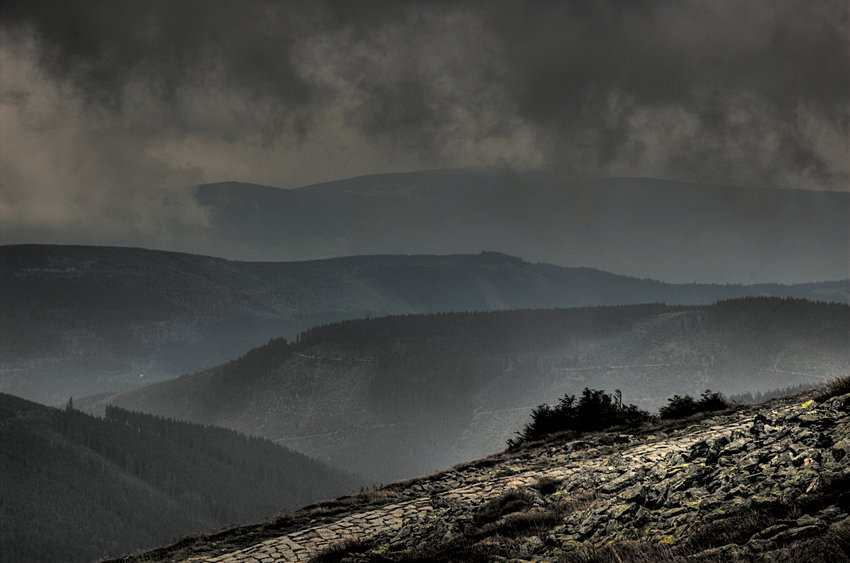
<point x="658" y="229"/>
<point x="83" y="320"/>
<point x="673" y="231"/>
<point x="406" y="395"/>
<point x="79" y="488"/>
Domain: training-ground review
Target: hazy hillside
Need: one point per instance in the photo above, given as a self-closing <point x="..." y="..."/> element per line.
<point x="673" y="231"/>
<point x="79" y="488"/>
<point x="407" y="395"/>
<point x="82" y="320"/>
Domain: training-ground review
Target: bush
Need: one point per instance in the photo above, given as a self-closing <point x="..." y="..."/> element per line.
<point x="833" y="388"/>
<point x="680" y="407"/>
<point x="595" y="410"/>
<point x="510" y="501"/>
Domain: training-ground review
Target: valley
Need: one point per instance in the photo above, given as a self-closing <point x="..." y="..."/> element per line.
<point x="406" y="395"/>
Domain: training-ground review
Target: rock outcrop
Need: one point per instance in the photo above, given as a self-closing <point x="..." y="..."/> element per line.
<point x="762" y="481"/>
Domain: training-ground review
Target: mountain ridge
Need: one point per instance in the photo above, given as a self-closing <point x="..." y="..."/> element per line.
<point x="643" y="227"/>
<point x="636" y="226"/>
<point x="80" y="320"/>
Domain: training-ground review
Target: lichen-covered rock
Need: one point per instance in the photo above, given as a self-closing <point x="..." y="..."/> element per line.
<point x="760" y="471"/>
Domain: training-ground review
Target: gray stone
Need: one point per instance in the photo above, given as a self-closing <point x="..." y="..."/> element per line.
<point x="797" y="533"/>
<point x="625" y="480"/>
<point x="636" y="493"/>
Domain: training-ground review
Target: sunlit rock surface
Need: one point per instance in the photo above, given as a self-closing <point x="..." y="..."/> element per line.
<point x="758" y="481"/>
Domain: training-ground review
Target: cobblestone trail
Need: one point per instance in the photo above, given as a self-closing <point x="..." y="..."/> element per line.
<point x="478" y="485"/>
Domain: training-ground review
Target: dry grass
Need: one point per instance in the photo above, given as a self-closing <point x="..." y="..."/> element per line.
<point x="453" y="550"/>
<point x="538" y="520"/>
<point x="632" y="551"/>
<point x="833" y="546"/>
<point x="368" y="498"/>
<point x="343" y="548"/>
<point x="738" y="528"/>
<point x="499" y="528"/>
<point x="548" y="485"/>
<point x="513" y="500"/>
<point x="833" y="388"/>
<point x="531" y="523"/>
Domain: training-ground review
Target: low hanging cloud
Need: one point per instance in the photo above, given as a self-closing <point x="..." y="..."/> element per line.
<point x="106" y="105"/>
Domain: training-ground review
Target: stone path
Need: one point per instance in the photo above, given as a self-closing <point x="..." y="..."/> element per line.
<point x="478" y="485"/>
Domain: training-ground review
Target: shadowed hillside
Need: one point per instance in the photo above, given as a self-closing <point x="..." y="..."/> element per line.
<point x="83" y="320"/>
<point x="80" y="488"/>
<point x="405" y="395"/>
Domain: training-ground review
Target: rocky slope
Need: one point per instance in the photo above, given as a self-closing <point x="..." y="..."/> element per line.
<point x="761" y="481"/>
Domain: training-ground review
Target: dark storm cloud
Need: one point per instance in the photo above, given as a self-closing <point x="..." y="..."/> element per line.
<point x="126" y="95"/>
<point x="591" y="70"/>
<point x="171" y="49"/>
<point x="557" y="63"/>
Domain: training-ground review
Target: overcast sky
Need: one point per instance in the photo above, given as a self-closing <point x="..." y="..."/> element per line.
<point x="105" y="105"/>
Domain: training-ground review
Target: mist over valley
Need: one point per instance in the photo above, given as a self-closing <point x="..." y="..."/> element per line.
<point x="406" y="395"/>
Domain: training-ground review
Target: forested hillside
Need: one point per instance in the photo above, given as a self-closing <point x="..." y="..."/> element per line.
<point x="131" y="480"/>
<point x="405" y="395"/>
<point x="82" y="320"/>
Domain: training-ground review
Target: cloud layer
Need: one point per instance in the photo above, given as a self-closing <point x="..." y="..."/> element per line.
<point x="105" y="105"/>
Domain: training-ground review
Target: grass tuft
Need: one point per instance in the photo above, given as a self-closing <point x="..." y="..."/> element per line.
<point x="632" y="551"/>
<point x="833" y="546"/>
<point x="341" y="549"/>
<point x="513" y="500"/>
<point x="548" y="485"/>
<point x="738" y="528"/>
<point x="833" y="388"/>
